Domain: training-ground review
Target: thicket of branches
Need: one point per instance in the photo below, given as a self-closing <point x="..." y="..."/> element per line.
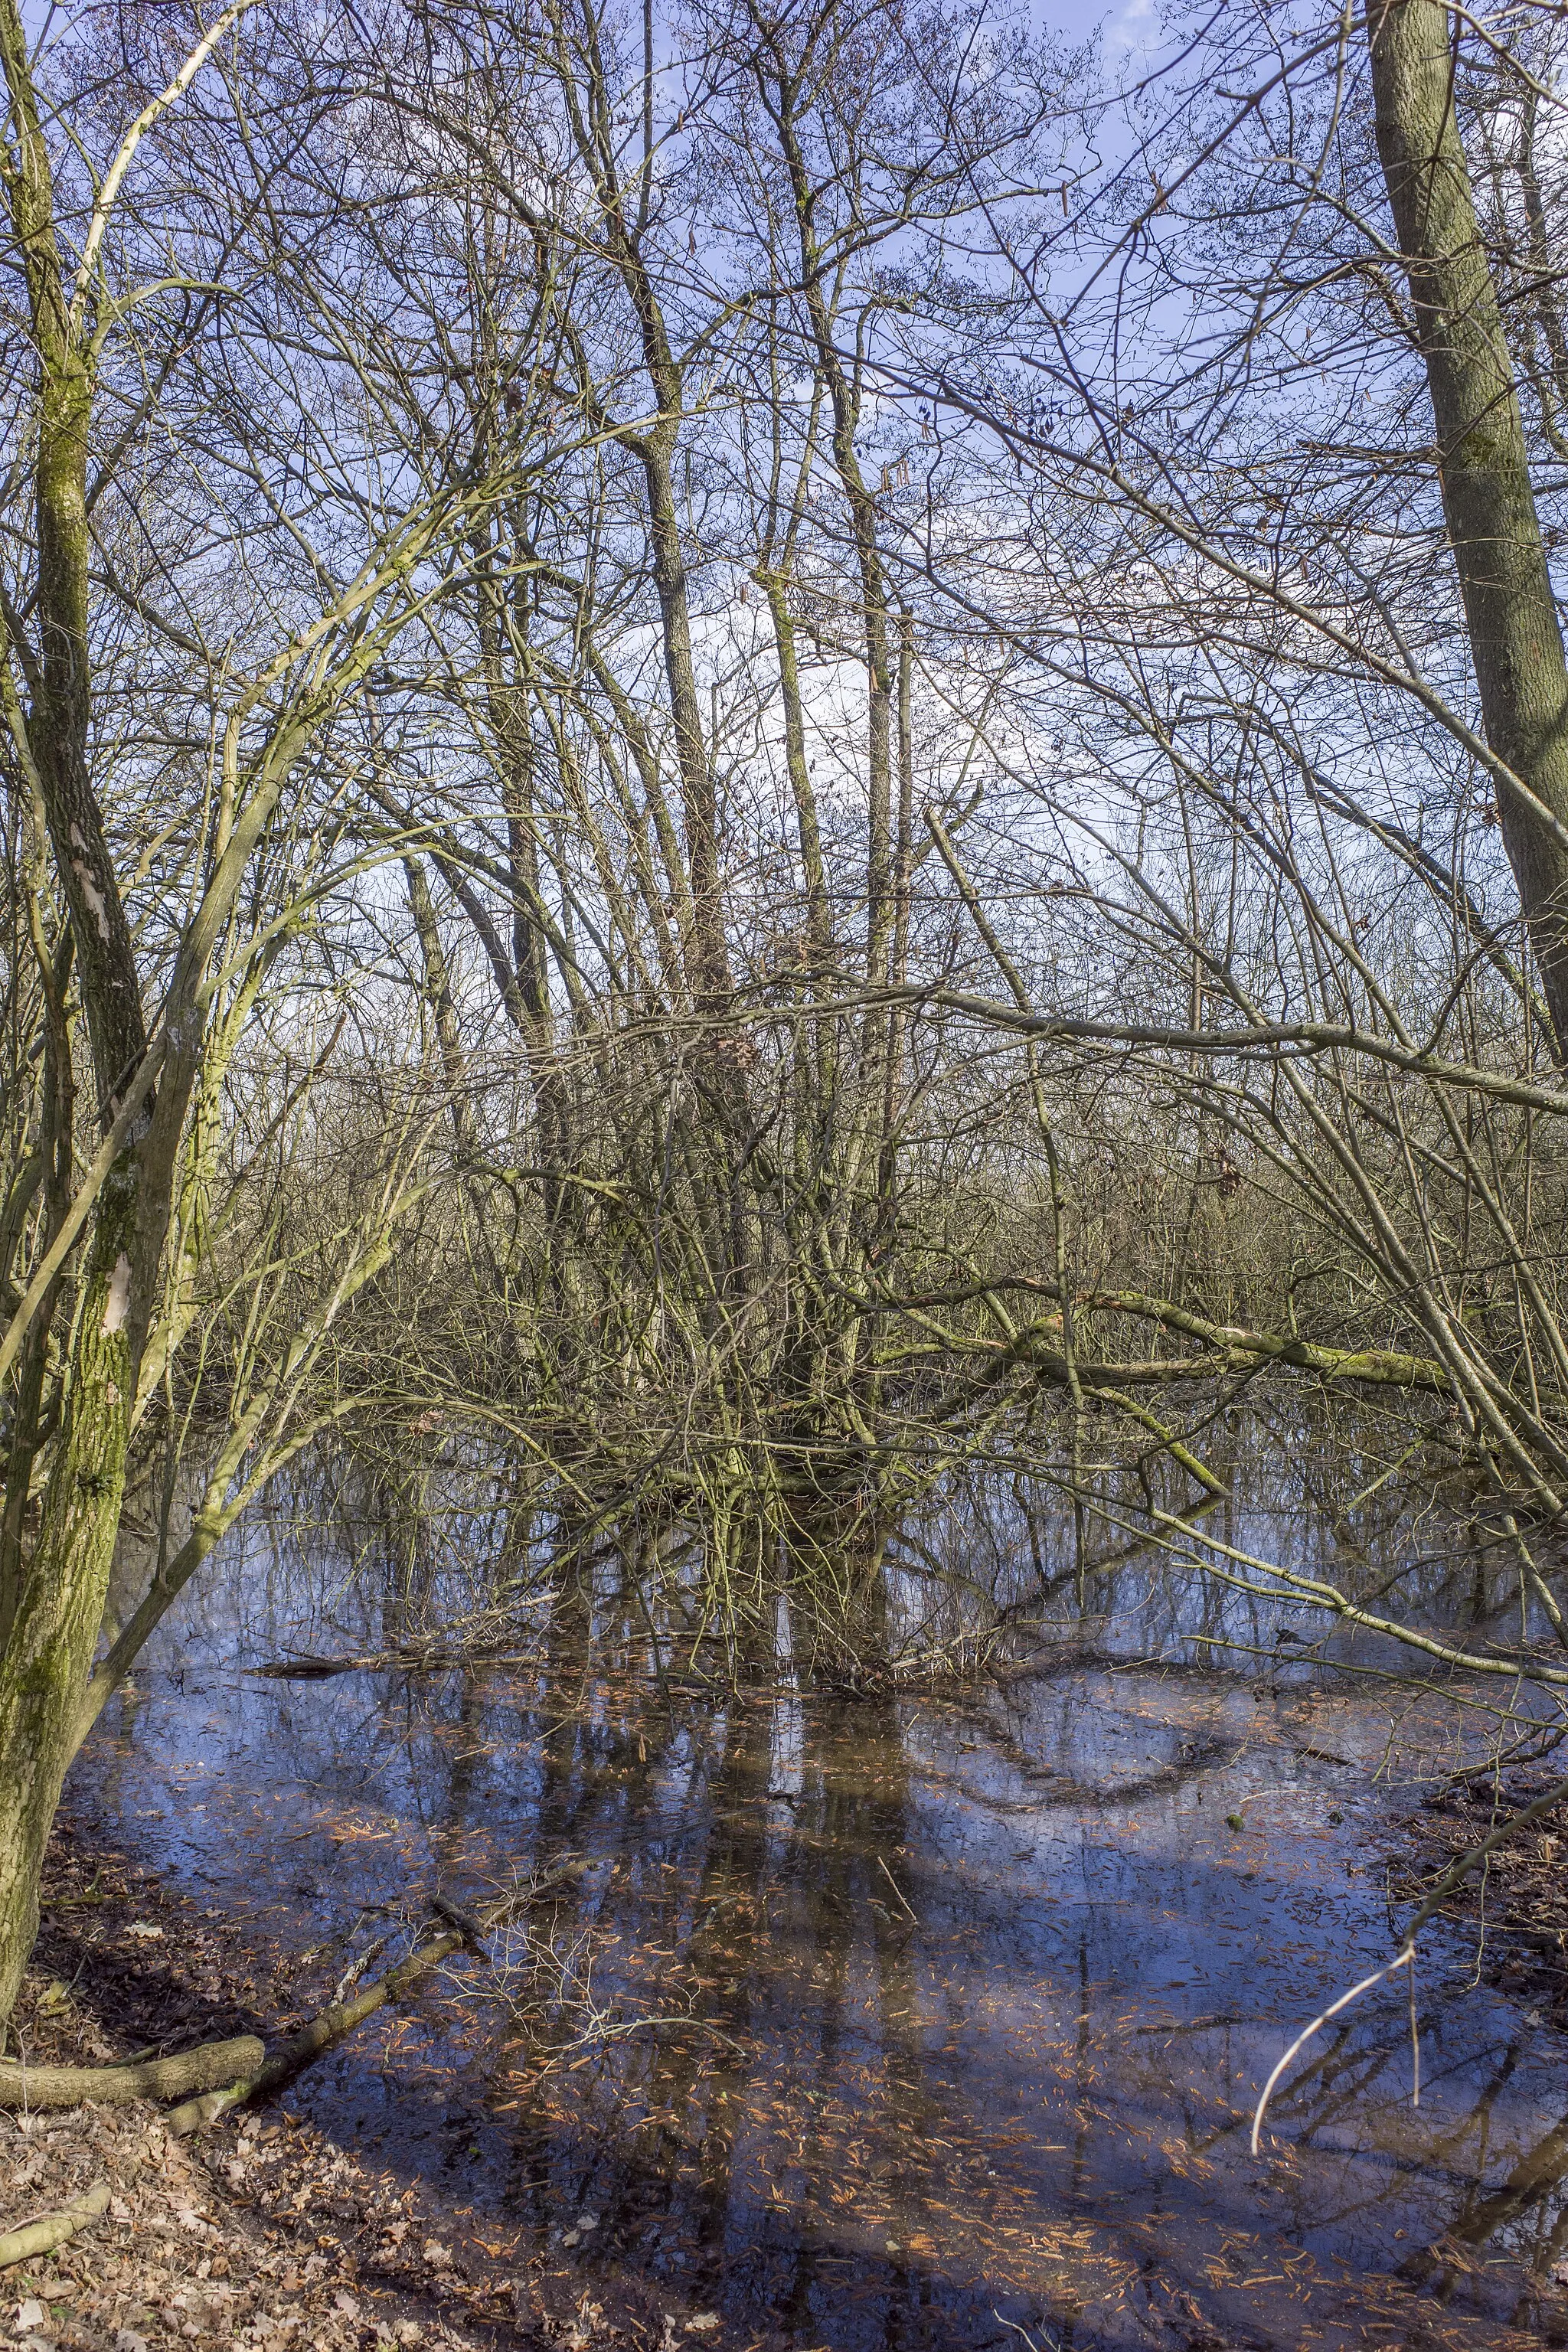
<point x="762" y="757"/>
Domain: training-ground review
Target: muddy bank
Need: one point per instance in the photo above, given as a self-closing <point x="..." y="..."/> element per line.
<point x="1512" y="1913"/>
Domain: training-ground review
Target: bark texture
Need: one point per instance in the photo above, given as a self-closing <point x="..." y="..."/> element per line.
<point x="55" y="1607"/>
<point x="1488" y="502"/>
<point x="52" y="2229"/>
<point x="48" y="1655"/>
<point x="153" y="2078"/>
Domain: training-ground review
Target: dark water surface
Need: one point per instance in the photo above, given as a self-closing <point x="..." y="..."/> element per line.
<point x="936" y="2021"/>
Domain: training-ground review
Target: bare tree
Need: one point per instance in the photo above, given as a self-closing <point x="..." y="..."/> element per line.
<point x="162" y="909"/>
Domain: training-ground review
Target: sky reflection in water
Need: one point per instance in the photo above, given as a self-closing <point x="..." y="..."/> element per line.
<point x="916" y="2023"/>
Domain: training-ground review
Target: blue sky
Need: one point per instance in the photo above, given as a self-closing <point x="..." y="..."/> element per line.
<point x="1081" y="16"/>
<point x="1127" y="22"/>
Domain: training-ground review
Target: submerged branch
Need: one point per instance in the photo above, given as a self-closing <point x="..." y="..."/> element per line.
<point x="338" y="2020"/>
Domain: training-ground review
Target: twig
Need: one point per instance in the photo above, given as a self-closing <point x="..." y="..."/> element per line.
<point x="897" y="1889"/>
<point x="1400" y="1960"/>
<point x="356" y="1968"/>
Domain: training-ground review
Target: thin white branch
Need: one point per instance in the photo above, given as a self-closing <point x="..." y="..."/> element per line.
<point x="114" y="177"/>
<point x="1400" y="1960"/>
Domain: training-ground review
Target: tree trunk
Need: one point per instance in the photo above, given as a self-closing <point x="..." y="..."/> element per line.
<point x="1510" y="614"/>
<point x="48" y="1655"/>
<point x="56" y="1607"/>
<point x="712" y="985"/>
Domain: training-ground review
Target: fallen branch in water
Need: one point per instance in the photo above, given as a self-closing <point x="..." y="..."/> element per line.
<point x="52" y="2229"/>
<point x="201" y="2069"/>
<point x="1403" y="1959"/>
<point x="305" y="1666"/>
<point x="330" y="2025"/>
<point x="333" y="2023"/>
<point x="485" y="1638"/>
<point x="1452" y="1878"/>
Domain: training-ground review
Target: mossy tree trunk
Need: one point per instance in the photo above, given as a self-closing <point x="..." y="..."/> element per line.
<point x="55" y="1607"/>
<point x="53" y="1586"/>
<point x="50" y="1650"/>
<point x="1488" y="502"/>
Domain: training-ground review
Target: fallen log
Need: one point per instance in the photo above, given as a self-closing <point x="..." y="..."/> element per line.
<point x="304" y="1668"/>
<point x="445" y="1653"/>
<point x="176" y="2078"/>
<point x="308" y="1668"/>
<point x="334" y="2023"/>
<point x="328" y="2026"/>
<point x="52" y="2229"/>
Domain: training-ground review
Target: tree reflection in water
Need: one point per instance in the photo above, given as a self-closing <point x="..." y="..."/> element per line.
<point x="918" y="2020"/>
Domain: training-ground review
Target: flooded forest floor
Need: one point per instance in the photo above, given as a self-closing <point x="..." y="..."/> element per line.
<point x="927" y="2025"/>
<point x="1516" y="1904"/>
<point x="262" y="2234"/>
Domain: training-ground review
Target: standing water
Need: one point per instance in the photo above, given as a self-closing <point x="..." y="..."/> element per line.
<point x="936" y="2020"/>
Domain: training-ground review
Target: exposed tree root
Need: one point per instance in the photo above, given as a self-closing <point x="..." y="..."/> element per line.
<point x="51" y="2230"/>
<point x="211" y="2062"/>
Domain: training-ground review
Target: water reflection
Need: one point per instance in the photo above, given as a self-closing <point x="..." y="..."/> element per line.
<point x="916" y="2023"/>
<point x="1321" y="1485"/>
